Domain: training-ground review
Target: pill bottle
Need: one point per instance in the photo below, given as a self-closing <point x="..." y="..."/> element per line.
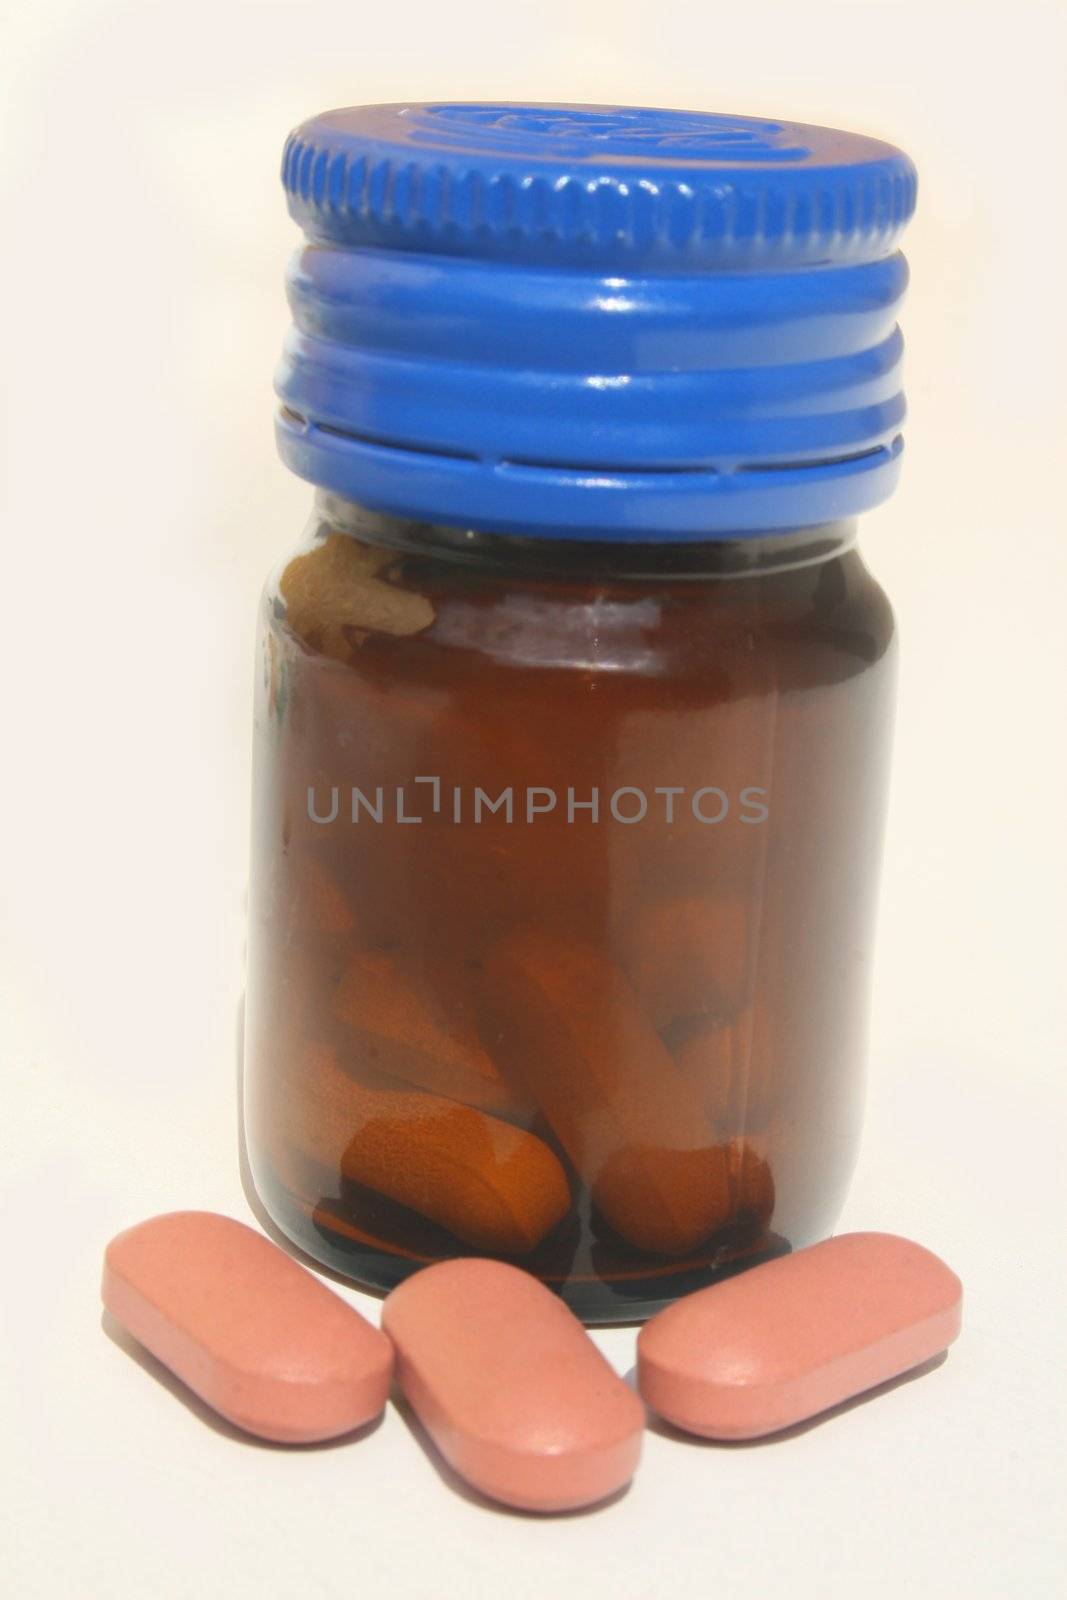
<point x="573" y="705"/>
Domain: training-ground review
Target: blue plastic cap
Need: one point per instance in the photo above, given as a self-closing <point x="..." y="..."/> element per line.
<point x="594" y="322"/>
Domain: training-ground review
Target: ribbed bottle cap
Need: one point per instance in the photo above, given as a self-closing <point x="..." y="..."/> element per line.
<point x="589" y="321"/>
<point x="596" y="184"/>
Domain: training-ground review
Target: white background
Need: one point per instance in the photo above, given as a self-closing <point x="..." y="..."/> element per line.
<point x="142" y="315"/>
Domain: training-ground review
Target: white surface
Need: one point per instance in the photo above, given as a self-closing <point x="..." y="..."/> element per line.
<point x="143" y="314"/>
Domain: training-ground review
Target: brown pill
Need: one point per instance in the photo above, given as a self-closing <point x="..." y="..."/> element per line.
<point x="759" y="1052"/>
<point x="687" y="955"/>
<point x="730" y="723"/>
<point x="335" y="587"/>
<point x="398" y="1027"/>
<point x="567" y="1023"/>
<point x="493" y="1185"/>
<point x="510" y="1388"/>
<point x="788" y="1339"/>
<point x="317" y="905"/>
<point x="259" y="1339"/>
<point x="751" y="1183"/>
<point x="706" y="1052"/>
<point x="725" y="1058"/>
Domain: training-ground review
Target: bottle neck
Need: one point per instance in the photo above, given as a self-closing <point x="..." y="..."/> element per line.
<point x="719" y="557"/>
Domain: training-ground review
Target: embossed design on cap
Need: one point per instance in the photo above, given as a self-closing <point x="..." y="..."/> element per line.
<point x="579" y="131"/>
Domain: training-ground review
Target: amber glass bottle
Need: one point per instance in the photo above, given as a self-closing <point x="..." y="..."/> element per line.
<point x="573" y="708"/>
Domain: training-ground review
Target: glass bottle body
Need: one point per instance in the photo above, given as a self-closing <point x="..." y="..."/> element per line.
<point x="564" y="869"/>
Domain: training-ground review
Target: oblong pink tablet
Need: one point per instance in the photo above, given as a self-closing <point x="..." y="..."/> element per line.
<point x="788" y="1339"/>
<point x="264" y="1343"/>
<point x="510" y="1388"/>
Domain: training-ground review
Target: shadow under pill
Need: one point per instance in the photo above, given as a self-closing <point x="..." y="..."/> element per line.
<point x="459" y="1485"/>
<point x="205" y="1413"/>
<point x="667" y="1430"/>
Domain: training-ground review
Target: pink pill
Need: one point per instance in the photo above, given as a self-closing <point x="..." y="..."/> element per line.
<point x="259" y="1339"/>
<point x="510" y="1388"/>
<point x="788" y="1339"/>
